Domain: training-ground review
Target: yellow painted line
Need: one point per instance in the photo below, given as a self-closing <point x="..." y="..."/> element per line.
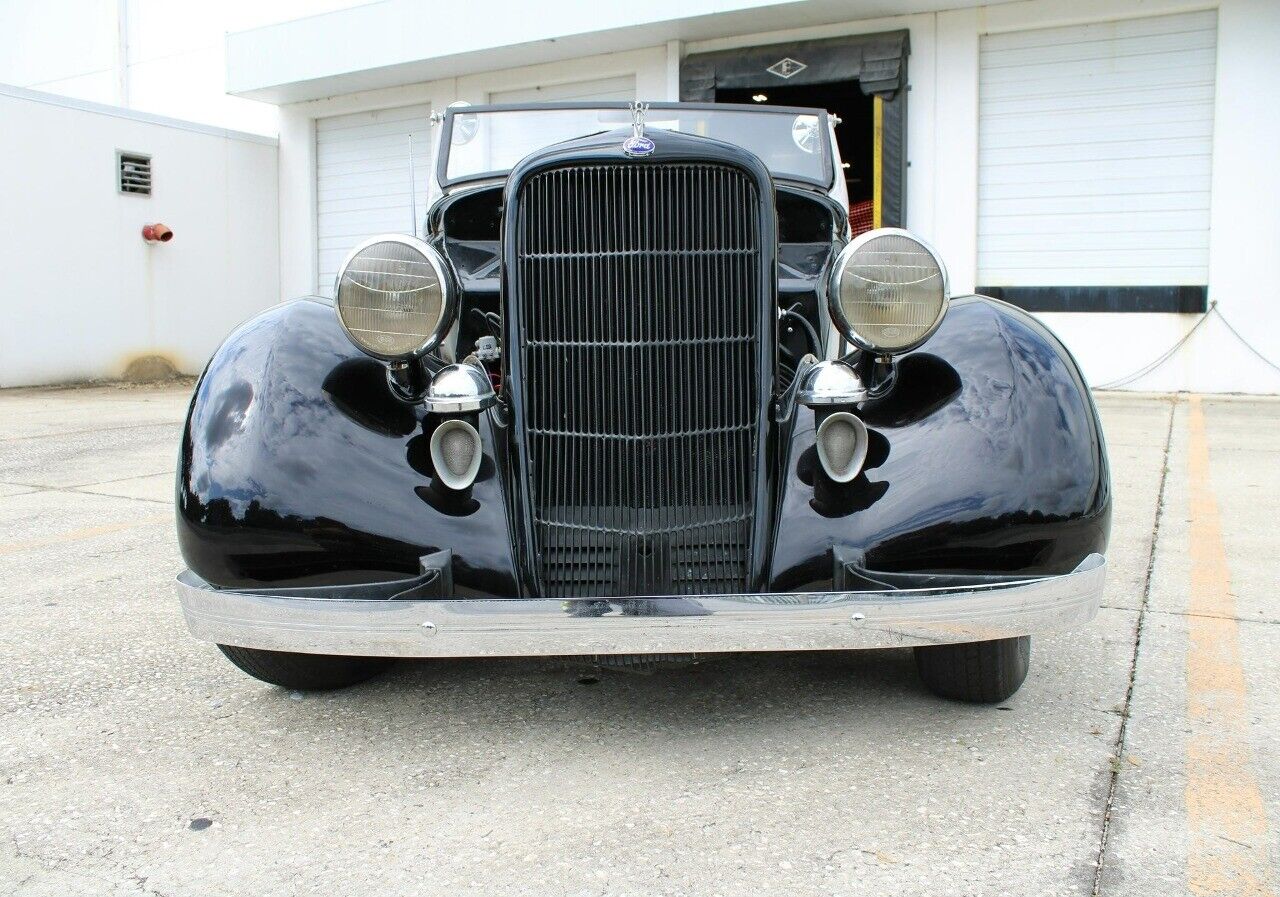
<point x="877" y="166"/>
<point x="75" y="535"/>
<point x="1230" y="842"/>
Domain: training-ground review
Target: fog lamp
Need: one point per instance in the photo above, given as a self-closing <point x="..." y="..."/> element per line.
<point x="455" y="453"/>
<point x="842" y="446"/>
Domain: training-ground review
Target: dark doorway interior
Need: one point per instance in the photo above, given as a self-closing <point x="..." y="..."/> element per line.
<point x="854" y="134"/>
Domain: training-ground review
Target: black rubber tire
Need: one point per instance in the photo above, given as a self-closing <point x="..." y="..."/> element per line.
<point x="980" y="672"/>
<point x="304" y="672"/>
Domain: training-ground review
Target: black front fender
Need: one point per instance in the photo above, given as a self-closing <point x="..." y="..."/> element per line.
<point x="299" y="466"/>
<point x="986" y="456"/>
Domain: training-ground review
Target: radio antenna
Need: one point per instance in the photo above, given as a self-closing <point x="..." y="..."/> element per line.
<point x="413" y="195"/>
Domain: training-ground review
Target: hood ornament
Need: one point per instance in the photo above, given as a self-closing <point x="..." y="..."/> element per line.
<point x="638" y="144"/>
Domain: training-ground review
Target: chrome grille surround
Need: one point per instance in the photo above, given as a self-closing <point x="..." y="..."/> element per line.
<point x="638" y="296"/>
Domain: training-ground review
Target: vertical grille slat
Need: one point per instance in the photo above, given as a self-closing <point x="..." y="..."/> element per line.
<point x="639" y="341"/>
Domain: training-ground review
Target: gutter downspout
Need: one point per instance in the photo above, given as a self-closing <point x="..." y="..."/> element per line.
<point x="122" y="51"/>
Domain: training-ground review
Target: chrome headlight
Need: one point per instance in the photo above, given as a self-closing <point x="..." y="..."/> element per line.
<point x="888" y="291"/>
<point x="394" y="297"/>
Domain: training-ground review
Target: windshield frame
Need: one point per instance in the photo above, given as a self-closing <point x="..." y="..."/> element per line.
<point x="446" y="133"/>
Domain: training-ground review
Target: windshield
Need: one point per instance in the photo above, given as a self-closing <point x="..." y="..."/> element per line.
<point x="486" y="141"/>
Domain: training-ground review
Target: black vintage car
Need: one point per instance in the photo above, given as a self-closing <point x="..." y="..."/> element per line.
<point x="636" y="393"/>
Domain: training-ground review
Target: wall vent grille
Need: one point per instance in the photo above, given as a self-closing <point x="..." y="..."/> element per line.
<point x="135" y="173"/>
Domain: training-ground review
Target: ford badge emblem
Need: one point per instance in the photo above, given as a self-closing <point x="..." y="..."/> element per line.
<point x="637" y="146"/>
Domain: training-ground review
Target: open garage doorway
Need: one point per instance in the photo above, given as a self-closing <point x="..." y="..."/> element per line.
<point x="861" y="80"/>
<point x="855" y="134"/>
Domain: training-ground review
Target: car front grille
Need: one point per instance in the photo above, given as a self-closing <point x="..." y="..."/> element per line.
<point x="638" y="293"/>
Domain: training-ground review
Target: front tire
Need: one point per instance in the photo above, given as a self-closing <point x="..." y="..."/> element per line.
<point x="980" y="672"/>
<point x="304" y="672"/>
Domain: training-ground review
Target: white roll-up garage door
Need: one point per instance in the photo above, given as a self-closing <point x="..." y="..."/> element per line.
<point x="362" y="180"/>
<point x="1094" y="153"/>
<point x="362" y="167"/>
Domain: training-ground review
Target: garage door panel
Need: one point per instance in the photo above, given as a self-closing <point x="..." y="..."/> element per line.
<point x="1094" y="34"/>
<point x="1107" y="270"/>
<point x="372" y="164"/>
<point x="373" y="218"/>
<point x="391" y="183"/>
<point x="359" y="210"/>
<point x="1072" y="276"/>
<point x="1048" y="254"/>
<point x="1115" y="170"/>
<point x="389" y="134"/>
<point x="358" y="135"/>
<point x="337" y="247"/>
<point x="1096" y="242"/>
<point x="1087" y="80"/>
<point x="1099" y="125"/>
<point x="1049" y="37"/>
<point x="1070" y="103"/>
<point x="357" y="199"/>
<point x="1099" y="45"/>
<point x="1094" y="160"/>
<point x="1099" y="151"/>
<point x="1052" y="199"/>
<point x="1199" y="128"/>
<point x="1104" y="211"/>
<point x="386" y="149"/>
<point x="1187" y="66"/>
<point x="1034" y="227"/>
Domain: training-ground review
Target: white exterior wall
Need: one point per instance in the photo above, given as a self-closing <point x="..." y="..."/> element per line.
<point x="154" y="56"/>
<point x="942" y="180"/>
<point x="70" y="48"/>
<point x="84" y="294"/>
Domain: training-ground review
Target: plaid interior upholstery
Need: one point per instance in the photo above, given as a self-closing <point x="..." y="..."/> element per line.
<point x="861" y="217"/>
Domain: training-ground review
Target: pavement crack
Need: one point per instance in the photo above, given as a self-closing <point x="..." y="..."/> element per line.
<point x="155" y="501"/>
<point x="71" y="487"/>
<point x="1266" y="621"/>
<point x="86" y="490"/>
<point x="62" y="434"/>
<point x="1125" y="709"/>
<point x="133" y="476"/>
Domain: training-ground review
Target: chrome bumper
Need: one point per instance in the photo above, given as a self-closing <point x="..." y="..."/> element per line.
<point x="514" y="627"/>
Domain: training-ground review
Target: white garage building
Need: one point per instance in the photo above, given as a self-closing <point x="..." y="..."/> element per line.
<point x="1109" y="165"/>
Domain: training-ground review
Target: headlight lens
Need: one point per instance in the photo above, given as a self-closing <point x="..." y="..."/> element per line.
<point x="394" y="297"/>
<point x="888" y="291"/>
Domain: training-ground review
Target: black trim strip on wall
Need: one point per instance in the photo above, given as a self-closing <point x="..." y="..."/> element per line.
<point x="1178" y="300"/>
<point x="893" y="194"/>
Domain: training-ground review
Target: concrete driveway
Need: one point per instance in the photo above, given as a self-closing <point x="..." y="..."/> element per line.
<point x="135" y="760"/>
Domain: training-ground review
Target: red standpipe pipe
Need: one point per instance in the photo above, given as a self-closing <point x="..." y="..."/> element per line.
<point x="157" y="233"/>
